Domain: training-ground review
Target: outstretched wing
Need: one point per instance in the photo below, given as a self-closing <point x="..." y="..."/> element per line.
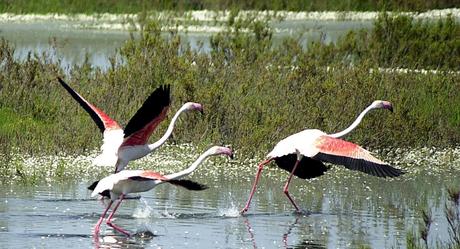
<point x="352" y="156"/>
<point x="147" y="118"/>
<point x="149" y="175"/>
<point x="102" y="120"/>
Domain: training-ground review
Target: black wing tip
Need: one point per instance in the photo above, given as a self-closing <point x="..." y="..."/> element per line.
<point x="152" y="107"/>
<point x="189" y="184"/>
<point x="60" y="80"/>
<point x="93" y="185"/>
<point x="105" y="193"/>
<point x="164" y="94"/>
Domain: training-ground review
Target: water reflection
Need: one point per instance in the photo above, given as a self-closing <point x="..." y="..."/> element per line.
<point x="137" y="240"/>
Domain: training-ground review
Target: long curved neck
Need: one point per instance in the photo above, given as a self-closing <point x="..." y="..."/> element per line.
<point x="168" y="132"/>
<point x="353" y="125"/>
<point x="190" y="169"/>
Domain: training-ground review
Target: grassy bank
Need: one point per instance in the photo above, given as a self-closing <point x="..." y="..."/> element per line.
<point x="135" y="6"/>
<point x="254" y="94"/>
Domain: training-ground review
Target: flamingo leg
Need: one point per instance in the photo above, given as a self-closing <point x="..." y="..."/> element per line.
<point x="98" y="224"/>
<point x="259" y="170"/>
<point x="286" y="187"/>
<point x="109" y="220"/>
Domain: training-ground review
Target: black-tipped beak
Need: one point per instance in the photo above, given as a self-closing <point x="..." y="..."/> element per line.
<point x="231" y="156"/>
<point x="390" y="108"/>
<point x="202" y="112"/>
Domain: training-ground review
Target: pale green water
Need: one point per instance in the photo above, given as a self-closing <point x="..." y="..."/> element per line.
<point x="71" y="45"/>
<point x="347" y="208"/>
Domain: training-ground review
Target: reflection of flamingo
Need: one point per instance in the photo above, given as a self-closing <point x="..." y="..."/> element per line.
<point x="120" y="146"/>
<point x="117" y="186"/>
<point x="251" y="232"/>
<point x="286" y="235"/>
<point x="311" y="147"/>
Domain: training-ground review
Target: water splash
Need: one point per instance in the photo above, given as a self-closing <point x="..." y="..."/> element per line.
<point x="144" y="210"/>
<point x="232" y="211"/>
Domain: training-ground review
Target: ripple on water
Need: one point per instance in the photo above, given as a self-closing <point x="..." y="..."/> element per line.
<point x="347" y="208"/>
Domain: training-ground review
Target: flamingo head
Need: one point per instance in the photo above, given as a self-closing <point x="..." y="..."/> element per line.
<point x="193" y="106"/>
<point x="219" y="150"/>
<point x="382" y="104"/>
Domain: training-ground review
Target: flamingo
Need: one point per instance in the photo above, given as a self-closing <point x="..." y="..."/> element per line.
<point x="120" y="147"/>
<point x="118" y="185"/>
<point x="303" y="154"/>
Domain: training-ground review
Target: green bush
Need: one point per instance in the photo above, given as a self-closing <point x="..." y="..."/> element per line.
<point x="398" y="41"/>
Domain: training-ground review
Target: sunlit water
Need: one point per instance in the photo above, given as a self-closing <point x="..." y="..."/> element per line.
<point x="345" y="208"/>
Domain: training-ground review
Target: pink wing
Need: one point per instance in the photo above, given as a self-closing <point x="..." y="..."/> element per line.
<point x="352" y="156"/>
<point x="102" y="120"/>
<point x="151" y="175"/>
<point x="141" y="136"/>
<point x="147" y="118"/>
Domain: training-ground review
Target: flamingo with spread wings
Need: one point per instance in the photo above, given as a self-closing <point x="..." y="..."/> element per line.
<point x="119" y="147"/>
<point x="117" y="186"/>
<point x="303" y="154"/>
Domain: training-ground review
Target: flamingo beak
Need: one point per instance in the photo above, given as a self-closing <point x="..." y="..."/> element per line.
<point x="200" y="108"/>
<point x="387" y="105"/>
<point x="231" y="156"/>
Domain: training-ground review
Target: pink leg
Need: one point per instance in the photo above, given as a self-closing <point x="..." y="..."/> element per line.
<point x="286" y="187"/>
<point x="109" y="222"/>
<point x="98" y="224"/>
<point x="261" y="166"/>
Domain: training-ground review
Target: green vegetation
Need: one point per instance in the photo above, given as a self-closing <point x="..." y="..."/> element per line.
<point x="399" y="41"/>
<point x="136" y="6"/>
<point x="254" y="94"/>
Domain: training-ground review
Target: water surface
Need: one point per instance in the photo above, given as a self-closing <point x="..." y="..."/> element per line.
<point x="73" y="44"/>
<point x="346" y="209"/>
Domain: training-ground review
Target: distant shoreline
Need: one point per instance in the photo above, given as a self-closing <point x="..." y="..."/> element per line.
<point x="207" y="20"/>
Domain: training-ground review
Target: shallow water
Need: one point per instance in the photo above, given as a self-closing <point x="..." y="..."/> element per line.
<point x="345" y="208"/>
<point x="70" y="43"/>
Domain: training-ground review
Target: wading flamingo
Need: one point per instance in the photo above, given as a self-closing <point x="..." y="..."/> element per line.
<point x="117" y="186"/>
<point x="119" y="147"/>
<point x="303" y="155"/>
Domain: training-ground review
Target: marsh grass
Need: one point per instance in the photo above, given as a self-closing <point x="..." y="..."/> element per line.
<point x="254" y="94"/>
